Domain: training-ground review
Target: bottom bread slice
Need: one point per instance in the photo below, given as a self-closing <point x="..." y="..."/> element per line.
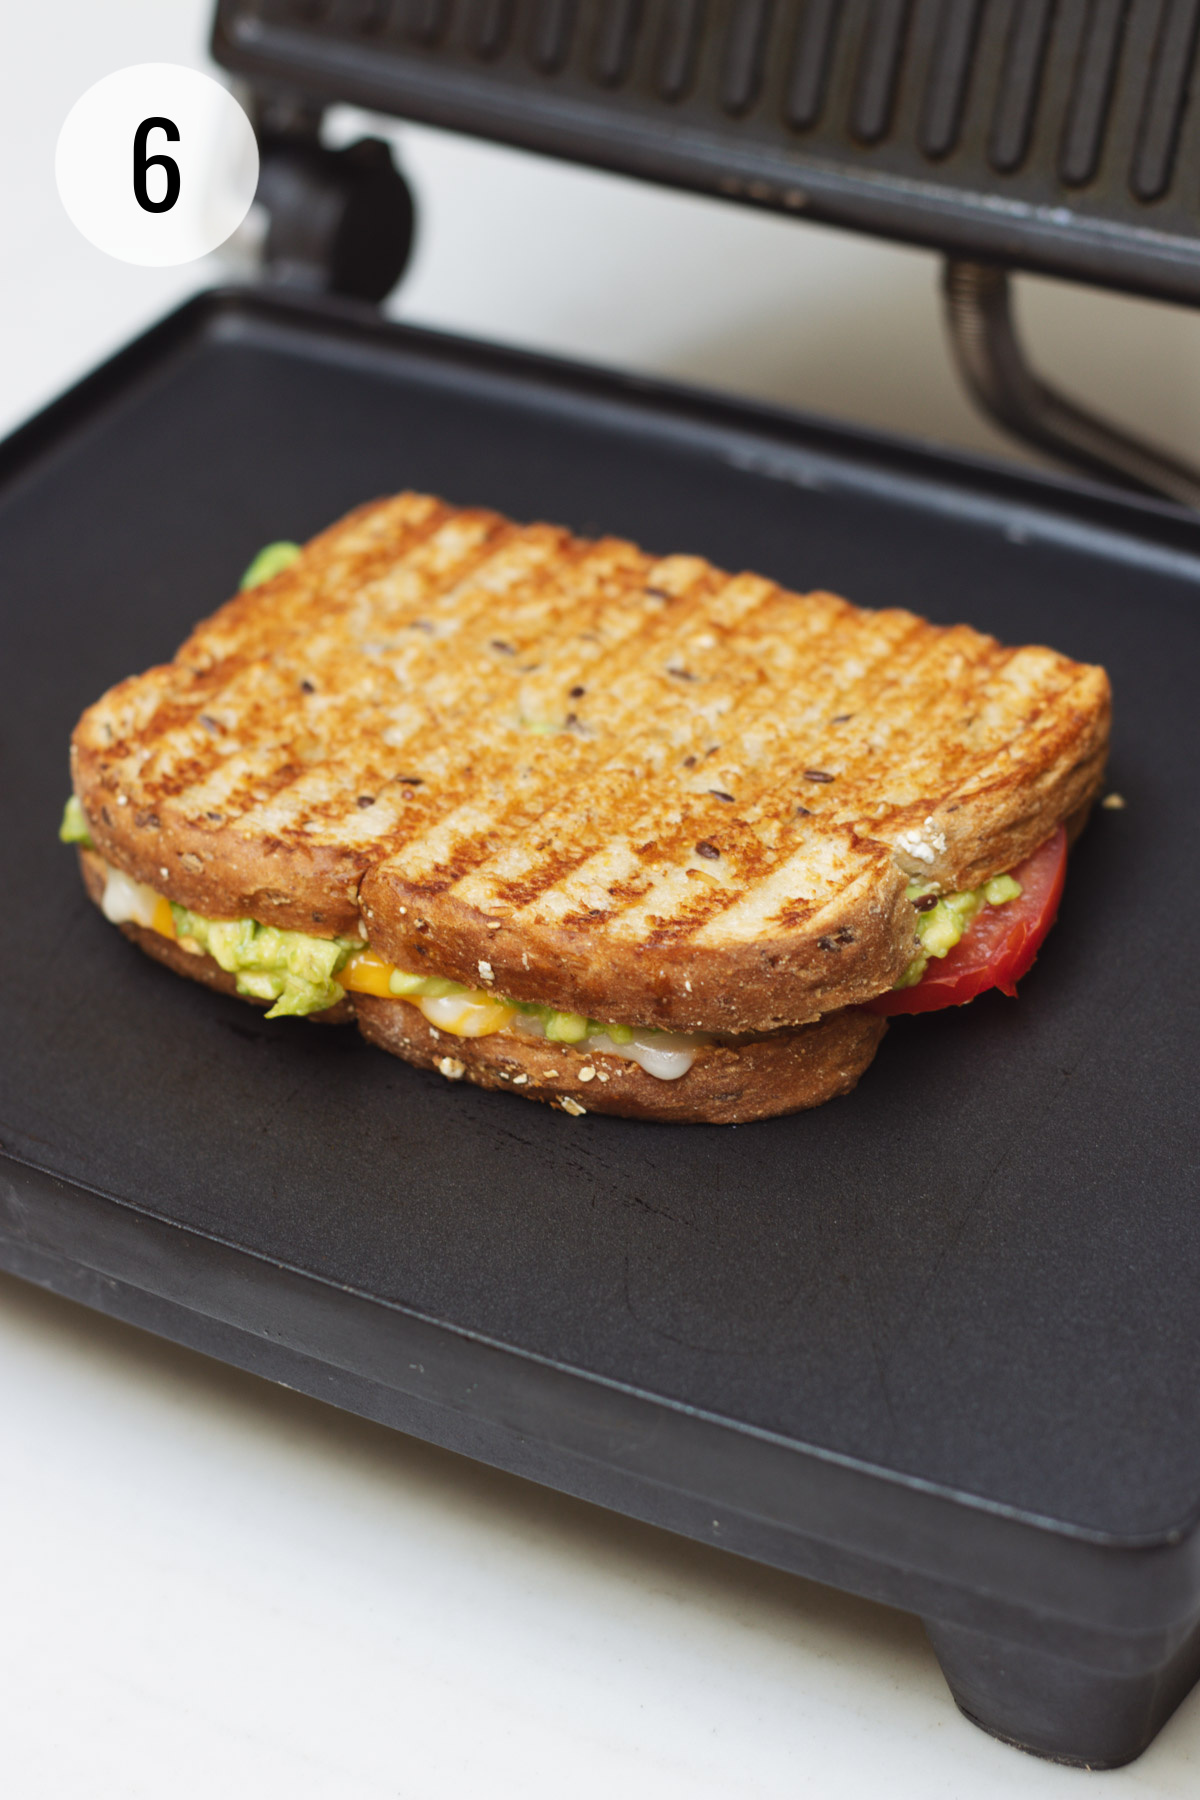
<point x="730" y="1083"/>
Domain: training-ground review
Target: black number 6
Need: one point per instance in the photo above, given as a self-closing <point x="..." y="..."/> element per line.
<point x="142" y="163"/>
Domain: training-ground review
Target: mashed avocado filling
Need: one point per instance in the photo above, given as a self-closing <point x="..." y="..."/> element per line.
<point x="941" y="926"/>
<point x="289" y="967"/>
<point x="74" y="827"/>
<point x="272" y="559"/>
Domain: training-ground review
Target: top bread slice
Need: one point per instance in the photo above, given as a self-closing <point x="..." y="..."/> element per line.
<point x="570" y="771"/>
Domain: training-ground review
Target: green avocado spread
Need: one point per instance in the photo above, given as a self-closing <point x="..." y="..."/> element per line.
<point x="941" y="926"/>
<point x="272" y="559"/>
<point x="74" y="827"/>
<point x="290" y="968"/>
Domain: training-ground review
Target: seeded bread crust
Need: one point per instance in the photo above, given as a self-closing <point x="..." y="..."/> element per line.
<point x="726" y="1085"/>
<point x="576" y="773"/>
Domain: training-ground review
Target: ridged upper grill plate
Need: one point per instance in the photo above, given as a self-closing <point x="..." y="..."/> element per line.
<point x="1064" y="137"/>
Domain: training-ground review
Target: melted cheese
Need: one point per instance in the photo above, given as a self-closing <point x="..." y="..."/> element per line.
<point x="367" y="973"/>
<point x="466" y="1015"/>
<point x="129" y="902"/>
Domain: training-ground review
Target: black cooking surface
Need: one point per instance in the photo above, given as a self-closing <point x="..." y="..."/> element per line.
<point x="981" y="1269"/>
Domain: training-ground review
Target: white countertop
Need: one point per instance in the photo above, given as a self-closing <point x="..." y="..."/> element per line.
<point x="209" y="1584"/>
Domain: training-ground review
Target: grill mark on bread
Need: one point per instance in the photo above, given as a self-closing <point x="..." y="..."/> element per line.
<point x="256" y="801"/>
<point x="647" y="694"/>
<point x="561" y="759"/>
<point x="451" y="724"/>
<point x="257" y="686"/>
<point x="469" y="745"/>
<point x="746" y="862"/>
<point x="305" y="593"/>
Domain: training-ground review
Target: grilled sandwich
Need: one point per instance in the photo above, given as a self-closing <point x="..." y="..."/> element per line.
<point x="618" y="831"/>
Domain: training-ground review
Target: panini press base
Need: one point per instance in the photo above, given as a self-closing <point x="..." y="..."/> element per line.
<point x="938" y="1342"/>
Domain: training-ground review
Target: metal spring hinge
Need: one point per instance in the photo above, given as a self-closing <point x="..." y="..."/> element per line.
<point x="992" y="363"/>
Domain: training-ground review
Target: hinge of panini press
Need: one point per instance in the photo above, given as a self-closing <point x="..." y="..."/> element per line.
<point x="992" y="363"/>
<point x="339" y="221"/>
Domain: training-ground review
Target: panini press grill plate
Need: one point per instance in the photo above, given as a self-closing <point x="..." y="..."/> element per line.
<point x="938" y="1341"/>
<point x="1061" y="135"/>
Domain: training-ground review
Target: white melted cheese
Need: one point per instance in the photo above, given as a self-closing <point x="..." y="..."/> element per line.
<point x="127" y="901"/>
<point x="664" y="1054"/>
<point x="466" y="1015"/>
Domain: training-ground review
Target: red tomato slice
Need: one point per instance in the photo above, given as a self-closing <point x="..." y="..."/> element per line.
<point x="1000" y="945"/>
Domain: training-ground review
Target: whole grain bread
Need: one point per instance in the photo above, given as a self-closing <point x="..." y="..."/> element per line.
<point x="577" y="773"/>
<point x="728" y="1084"/>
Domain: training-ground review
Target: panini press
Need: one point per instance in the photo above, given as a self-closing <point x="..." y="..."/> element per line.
<point x="937" y="1343"/>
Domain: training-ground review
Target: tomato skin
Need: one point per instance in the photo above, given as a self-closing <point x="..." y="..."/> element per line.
<point x="1000" y="946"/>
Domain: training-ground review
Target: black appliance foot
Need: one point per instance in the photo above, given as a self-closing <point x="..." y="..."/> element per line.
<point x="1096" y="1713"/>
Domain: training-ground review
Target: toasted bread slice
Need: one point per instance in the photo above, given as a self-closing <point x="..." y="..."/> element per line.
<point x="730" y="1083"/>
<point x="628" y="786"/>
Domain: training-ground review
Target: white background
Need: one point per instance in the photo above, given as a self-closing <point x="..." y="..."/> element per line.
<point x="212" y="1586"/>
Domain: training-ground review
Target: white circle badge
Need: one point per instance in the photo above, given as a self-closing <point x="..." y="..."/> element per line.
<point x="157" y="164"/>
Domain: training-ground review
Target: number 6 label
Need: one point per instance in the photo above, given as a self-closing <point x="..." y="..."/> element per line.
<point x="137" y="199"/>
<point x="142" y="162"/>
